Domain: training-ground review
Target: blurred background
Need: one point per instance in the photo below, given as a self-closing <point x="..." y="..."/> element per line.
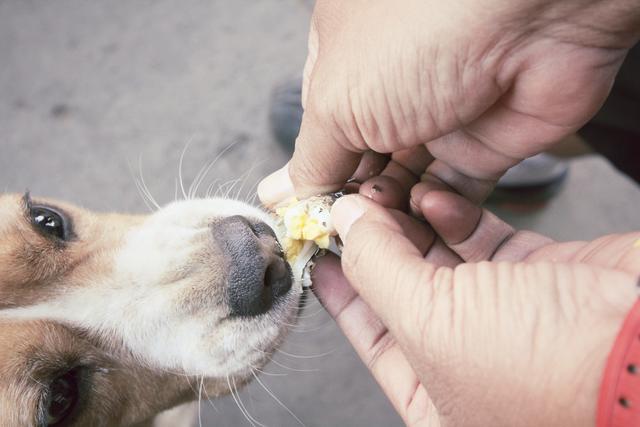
<point x="94" y="95"/>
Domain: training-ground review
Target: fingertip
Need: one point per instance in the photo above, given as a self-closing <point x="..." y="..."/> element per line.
<point x="452" y="216"/>
<point x="276" y="187"/>
<point x="371" y="164"/>
<point x="428" y="184"/>
<point x="320" y="164"/>
<point x="346" y="211"/>
<point x="330" y="285"/>
<point x="385" y="191"/>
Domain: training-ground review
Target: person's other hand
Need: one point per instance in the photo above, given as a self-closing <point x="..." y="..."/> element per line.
<point x="482" y="325"/>
<point x="481" y="84"/>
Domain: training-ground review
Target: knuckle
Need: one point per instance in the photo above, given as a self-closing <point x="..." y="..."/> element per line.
<point x="380" y="345"/>
<point x="303" y="168"/>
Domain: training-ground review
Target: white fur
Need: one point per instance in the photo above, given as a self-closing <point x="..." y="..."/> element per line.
<point x="139" y="301"/>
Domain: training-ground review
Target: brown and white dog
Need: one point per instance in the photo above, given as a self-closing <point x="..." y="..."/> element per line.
<point x="109" y="319"/>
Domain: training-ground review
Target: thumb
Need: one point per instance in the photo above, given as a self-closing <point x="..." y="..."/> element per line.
<point x="382" y="264"/>
<point x="320" y="164"/>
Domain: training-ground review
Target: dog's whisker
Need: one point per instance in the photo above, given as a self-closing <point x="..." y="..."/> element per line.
<point x="310" y="330"/>
<point x="243" y="180"/>
<point x="314" y="314"/>
<point x="180" y="164"/>
<point x="305" y="356"/>
<point x="233" y="380"/>
<point x="277" y="400"/>
<point x="200" y="401"/>
<point x="306" y="306"/>
<point x="246" y="176"/>
<point x="142" y="195"/>
<point x="197" y="181"/>
<point x="210" y="401"/>
<point x="298" y="328"/>
<point x="144" y="186"/>
<point x="275" y="362"/>
<point x="230" y="189"/>
<point x="222" y="188"/>
<point x="146" y="199"/>
<point x="235" y="399"/>
<point x="269" y="374"/>
<point x="210" y="188"/>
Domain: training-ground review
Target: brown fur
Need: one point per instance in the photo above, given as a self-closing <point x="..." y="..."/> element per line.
<point x="116" y="388"/>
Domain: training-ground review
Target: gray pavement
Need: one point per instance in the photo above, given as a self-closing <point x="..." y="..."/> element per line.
<point x="88" y="90"/>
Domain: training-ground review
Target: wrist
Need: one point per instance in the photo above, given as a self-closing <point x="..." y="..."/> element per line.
<point x="619" y="399"/>
<point x="573" y="398"/>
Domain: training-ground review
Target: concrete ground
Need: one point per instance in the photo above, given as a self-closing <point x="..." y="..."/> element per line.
<point x="91" y="90"/>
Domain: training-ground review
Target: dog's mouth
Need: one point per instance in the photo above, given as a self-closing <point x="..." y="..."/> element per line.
<point x="304" y="228"/>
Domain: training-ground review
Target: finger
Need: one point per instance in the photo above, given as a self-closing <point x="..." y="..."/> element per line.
<point x="434" y="250"/>
<point x="415" y="159"/>
<point x="418" y="232"/>
<point x="315" y="168"/>
<point x="393" y="186"/>
<point x="475" y="233"/>
<point x="428" y="183"/>
<point x="371" y="340"/>
<point x="372" y="164"/>
<point x="380" y="262"/>
<point x="470" y="156"/>
<point x="441" y="255"/>
<point x="278" y="186"/>
<point x="474" y="189"/>
<point x="385" y="191"/>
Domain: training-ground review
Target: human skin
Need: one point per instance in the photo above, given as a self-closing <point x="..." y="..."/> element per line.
<point x="478" y="324"/>
<point x="481" y="84"/>
<point x="466" y="322"/>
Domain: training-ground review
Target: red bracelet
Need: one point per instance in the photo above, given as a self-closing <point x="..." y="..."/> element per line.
<point x="619" y="401"/>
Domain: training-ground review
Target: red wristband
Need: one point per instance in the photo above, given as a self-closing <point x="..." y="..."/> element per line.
<point x="619" y="401"/>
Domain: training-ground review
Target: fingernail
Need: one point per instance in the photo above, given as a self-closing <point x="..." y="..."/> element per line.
<point x="276" y="187"/>
<point x="346" y="210"/>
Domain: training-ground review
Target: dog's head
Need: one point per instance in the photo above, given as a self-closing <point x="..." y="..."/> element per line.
<point x="108" y="319"/>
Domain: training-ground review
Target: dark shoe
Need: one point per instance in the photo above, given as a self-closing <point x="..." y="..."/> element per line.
<point x="285" y="113"/>
<point x="530" y="183"/>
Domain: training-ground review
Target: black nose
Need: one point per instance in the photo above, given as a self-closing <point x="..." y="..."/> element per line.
<point x="257" y="272"/>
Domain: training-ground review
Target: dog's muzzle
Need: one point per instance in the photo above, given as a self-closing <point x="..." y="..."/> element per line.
<point x="257" y="274"/>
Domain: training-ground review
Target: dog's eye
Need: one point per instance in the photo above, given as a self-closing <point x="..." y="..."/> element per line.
<point x="49" y="222"/>
<point x="63" y="395"/>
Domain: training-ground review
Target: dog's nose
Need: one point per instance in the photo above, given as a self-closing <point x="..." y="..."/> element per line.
<point x="257" y="272"/>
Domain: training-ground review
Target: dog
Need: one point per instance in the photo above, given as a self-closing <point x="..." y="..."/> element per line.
<point x="110" y="319"/>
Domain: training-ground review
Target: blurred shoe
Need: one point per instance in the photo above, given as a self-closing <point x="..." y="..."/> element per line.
<point x="530" y="183"/>
<point x="285" y="113"/>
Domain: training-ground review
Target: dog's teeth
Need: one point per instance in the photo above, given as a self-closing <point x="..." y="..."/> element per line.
<point x="307" y="227"/>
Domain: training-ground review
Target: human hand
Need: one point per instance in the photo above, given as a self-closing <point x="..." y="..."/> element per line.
<point x="482" y="325"/>
<point x="481" y="84"/>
